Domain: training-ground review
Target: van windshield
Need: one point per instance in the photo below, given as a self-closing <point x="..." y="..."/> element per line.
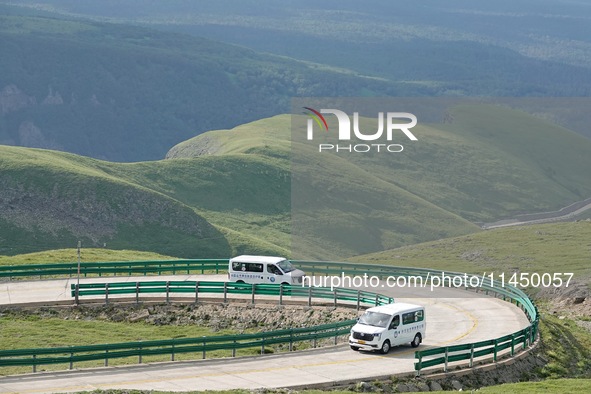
<point x="286" y="266"/>
<point x="374" y="319"/>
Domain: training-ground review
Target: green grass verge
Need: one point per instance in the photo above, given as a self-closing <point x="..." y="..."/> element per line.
<point x="43" y="332"/>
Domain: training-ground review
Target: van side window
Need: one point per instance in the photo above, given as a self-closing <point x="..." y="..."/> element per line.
<point x="395" y="322"/>
<point x="272" y="269"/>
<point x="247" y="267"/>
<point x="412" y="317"/>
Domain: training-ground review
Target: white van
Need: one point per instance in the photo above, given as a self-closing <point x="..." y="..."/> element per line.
<point x="382" y="327"/>
<point x="264" y="269"/>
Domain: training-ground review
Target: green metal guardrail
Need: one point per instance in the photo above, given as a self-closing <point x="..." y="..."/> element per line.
<point x="447" y="354"/>
<point x="450" y="353"/>
<point x="195" y="288"/>
<point x="74" y="354"/>
<point x="129" y="268"/>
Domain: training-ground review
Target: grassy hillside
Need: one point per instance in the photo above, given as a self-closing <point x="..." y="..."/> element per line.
<point x="556" y="247"/>
<point x="250" y="190"/>
<point x="51" y="200"/>
<point x="489" y="162"/>
<point x="332" y="228"/>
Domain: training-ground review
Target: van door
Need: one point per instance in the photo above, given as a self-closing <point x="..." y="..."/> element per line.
<point x="393" y="332"/>
<point x="274" y="274"/>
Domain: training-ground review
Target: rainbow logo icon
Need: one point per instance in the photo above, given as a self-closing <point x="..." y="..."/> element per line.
<point x="318" y="118"/>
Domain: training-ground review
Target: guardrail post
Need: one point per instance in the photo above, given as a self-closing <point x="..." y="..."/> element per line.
<point x="291" y="339"/>
<point x="281" y="294"/>
<point x="172" y="353"/>
<point x="77" y="294"/>
<point x="254" y="286"/>
<point x="377" y="297"/>
<point x="263" y="345"/>
<point x="106" y="357"/>
<point x="419" y="364"/>
<point x="167" y="292"/>
<point x="225" y="292"/>
<point x="137" y="292"/>
<point x="234" y="349"/>
<point x="358" y="299"/>
<point x="204" y="342"/>
<point x="196" y="292"/>
<point x="315" y="340"/>
<point x="495" y="352"/>
<point x="472" y="355"/>
<point x="309" y="296"/>
<point x="446" y="354"/>
<point x="512" y="344"/>
<point x="106" y="294"/>
<point x="527" y="338"/>
<point x="336" y="335"/>
<point x="71" y="362"/>
<point x="34" y="363"/>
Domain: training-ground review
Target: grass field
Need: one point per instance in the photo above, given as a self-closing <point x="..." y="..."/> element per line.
<point x="70" y="255"/>
<point x="36" y="332"/>
<point x="556" y="247"/>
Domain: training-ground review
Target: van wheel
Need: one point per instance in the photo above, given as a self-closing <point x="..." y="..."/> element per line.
<point x="239" y="281"/>
<point x="355" y="348"/>
<point x="285" y="284"/>
<point x="385" y="347"/>
<point x="416" y="341"/>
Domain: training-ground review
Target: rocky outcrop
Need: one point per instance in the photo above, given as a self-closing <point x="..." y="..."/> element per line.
<point x="53" y="98"/>
<point x="13" y="99"/>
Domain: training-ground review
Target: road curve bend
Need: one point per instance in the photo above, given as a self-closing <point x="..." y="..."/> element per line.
<point x="453" y="317"/>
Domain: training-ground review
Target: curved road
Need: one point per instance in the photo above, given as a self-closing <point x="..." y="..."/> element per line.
<point x="453" y="316"/>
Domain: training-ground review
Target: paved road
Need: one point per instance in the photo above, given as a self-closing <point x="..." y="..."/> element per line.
<point x="566" y="213"/>
<point x="453" y="316"/>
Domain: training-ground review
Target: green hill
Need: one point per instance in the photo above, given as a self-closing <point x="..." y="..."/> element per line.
<point x="488" y="162"/>
<point x="556" y="247"/>
<point x="234" y="191"/>
<point x="51" y="199"/>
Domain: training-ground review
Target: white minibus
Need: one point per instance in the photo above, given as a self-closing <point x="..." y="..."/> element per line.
<point x="382" y="327"/>
<point x="264" y="269"/>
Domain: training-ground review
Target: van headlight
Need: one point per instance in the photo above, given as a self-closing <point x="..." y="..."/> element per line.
<point x="377" y="336"/>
